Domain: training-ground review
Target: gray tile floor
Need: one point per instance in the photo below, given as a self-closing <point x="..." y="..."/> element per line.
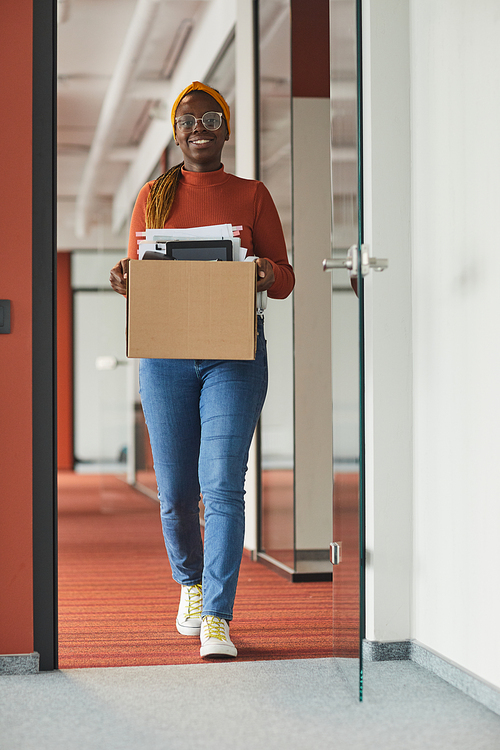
<point x="282" y="705"/>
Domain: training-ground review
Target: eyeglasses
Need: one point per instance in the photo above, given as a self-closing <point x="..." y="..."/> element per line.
<point x="210" y="121"/>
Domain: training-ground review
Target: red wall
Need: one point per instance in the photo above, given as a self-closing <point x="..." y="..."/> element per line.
<point x="16" y="578"/>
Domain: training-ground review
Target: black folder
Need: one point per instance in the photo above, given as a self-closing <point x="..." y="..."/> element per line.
<point x="193" y="250"/>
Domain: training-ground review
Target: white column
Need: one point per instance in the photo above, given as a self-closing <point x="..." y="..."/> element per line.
<point x="312" y="323"/>
<point x="244" y="107"/>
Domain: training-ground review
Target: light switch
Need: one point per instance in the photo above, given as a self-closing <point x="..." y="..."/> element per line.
<point x="4" y="315"/>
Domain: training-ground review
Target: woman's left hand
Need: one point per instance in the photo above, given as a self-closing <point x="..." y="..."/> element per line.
<point x="265" y="274"/>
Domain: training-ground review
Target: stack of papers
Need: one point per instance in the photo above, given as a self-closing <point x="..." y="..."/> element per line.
<point x="155" y="239"/>
<point x="213" y="232"/>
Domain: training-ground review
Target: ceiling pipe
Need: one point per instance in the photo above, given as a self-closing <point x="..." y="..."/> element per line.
<point x="181" y="37"/>
<point x="135" y="38"/>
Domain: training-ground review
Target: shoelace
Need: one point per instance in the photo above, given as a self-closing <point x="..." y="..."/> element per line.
<point x="215" y="627"/>
<point x="194" y="602"/>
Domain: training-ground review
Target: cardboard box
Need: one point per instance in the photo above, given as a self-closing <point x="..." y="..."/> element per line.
<point x="180" y="309"/>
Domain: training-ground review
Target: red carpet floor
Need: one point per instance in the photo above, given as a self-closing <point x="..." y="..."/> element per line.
<point x="117" y="601"/>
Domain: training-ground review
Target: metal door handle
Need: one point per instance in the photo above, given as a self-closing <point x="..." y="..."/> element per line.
<point x="329" y="264"/>
<point x="367" y="263"/>
<point x="351" y="262"/>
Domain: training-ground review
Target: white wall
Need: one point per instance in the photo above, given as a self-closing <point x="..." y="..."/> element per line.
<point x="455" y="70"/>
<point x="388" y="367"/>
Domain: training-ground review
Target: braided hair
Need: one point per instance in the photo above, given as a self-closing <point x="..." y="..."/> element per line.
<point x="161" y="198"/>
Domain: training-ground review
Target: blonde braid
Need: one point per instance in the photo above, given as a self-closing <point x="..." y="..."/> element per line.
<point x="161" y="198"/>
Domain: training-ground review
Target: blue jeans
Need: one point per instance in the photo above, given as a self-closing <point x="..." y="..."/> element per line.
<point x="201" y="416"/>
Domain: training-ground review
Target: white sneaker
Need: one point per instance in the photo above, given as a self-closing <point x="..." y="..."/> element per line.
<point x="188" y="620"/>
<point x="215" y="639"/>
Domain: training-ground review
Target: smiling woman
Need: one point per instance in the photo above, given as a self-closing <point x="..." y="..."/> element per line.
<point x="201" y="143"/>
<point x="201" y="414"/>
<point x="197" y="135"/>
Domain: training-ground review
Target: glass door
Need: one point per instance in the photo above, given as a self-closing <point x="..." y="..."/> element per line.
<point x="277" y="501"/>
<point x="347" y="552"/>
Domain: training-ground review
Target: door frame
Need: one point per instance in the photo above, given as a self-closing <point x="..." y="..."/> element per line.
<point x="44" y="296"/>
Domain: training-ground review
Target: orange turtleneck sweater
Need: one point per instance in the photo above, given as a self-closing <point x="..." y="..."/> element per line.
<point x="205" y="198"/>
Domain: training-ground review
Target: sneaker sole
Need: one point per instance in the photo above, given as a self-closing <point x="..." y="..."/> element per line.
<point x="188" y="629"/>
<point x="215" y="650"/>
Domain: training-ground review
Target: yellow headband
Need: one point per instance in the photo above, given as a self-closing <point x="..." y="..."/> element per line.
<point x="197" y="86"/>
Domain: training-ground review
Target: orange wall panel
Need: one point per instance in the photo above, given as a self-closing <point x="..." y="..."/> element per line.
<point x="16" y="579"/>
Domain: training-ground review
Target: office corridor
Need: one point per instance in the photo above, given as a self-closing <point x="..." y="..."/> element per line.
<point x="117" y="600"/>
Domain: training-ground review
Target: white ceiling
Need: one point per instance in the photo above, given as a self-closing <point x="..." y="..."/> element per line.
<point x="103" y="170"/>
<point x="121" y="64"/>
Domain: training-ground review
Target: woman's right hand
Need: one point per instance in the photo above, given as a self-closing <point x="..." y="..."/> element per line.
<point x="118" y="276"/>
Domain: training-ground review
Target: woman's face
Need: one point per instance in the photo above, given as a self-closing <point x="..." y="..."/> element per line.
<point x="201" y="148"/>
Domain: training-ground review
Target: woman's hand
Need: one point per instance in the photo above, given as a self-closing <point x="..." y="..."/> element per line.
<point x="265" y="274"/>
<point x="118" y="276"/>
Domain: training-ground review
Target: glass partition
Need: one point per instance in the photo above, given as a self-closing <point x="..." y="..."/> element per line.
<point x="276" y="426"/>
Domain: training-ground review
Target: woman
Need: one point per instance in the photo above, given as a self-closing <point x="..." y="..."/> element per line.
<point x="201" y="414"/>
